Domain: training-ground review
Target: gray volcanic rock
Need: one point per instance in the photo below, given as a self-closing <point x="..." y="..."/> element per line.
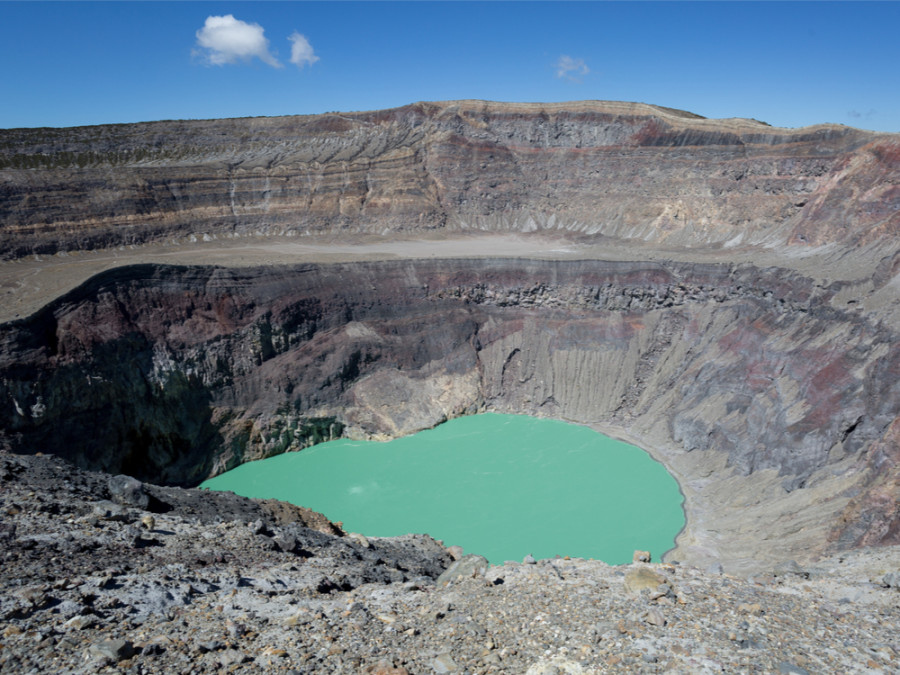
<point x="769" y="389"/>
<point x="469" y="566"/>
<point x="770" y="405"/>
<point x="129" y="491"/>
<point x="66" y="492"/>
<point x="203" y="594"/>
<point x="630" y="171"/>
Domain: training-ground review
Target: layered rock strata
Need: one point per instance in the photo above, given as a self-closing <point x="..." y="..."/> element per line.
<point x="774" y="409"/>
<point x="628" y="171"/>
<point x="744" y="336"/>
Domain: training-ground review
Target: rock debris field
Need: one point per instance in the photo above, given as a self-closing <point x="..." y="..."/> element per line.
<point x="104" y="574"/>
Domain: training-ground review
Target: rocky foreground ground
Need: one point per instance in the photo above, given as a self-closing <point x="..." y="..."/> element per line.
<point x="104" y="574"/>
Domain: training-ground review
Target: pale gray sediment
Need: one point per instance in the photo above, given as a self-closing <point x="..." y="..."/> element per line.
<point x="711" y="505"/>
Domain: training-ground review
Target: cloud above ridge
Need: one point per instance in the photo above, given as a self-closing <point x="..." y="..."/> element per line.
<point x="571" y="69"/>
<point x="302" y="53"/>
<point x="225" y="40"/>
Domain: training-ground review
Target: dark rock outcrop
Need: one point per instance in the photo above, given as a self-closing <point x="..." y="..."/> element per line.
<point x="173" y="374"/>
<point x="746" y="337"/>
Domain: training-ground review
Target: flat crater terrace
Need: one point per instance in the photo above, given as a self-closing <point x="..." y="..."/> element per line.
<point x="501" y="486"/>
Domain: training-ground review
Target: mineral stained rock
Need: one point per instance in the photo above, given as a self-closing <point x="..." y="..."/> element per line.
<point x="623" y="170"/>
<point x="746" y="337"/>
<point x="747" y="383"/>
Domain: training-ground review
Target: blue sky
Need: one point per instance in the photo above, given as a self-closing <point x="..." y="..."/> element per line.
<point x="789" y="64"/>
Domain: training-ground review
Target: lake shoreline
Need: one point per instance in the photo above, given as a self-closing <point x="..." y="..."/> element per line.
<point x="515" y="485"/>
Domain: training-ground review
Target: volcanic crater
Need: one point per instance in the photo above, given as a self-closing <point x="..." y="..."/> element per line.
<point x="182" y="297"/>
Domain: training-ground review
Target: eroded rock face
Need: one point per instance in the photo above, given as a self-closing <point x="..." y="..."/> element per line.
<point x="767" y="403"/>
<point x="629" y="171"/>
<point x="769" y="389"/>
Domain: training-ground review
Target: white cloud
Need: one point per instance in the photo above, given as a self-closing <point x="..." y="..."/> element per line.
<point x="302" y="53"/>
<point x="571" y="69"/>
<point x="228" y="40"/>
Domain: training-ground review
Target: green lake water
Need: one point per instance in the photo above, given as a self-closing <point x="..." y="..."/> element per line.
<point x="502" y="486"/>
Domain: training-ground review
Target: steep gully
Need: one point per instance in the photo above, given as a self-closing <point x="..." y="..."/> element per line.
<point x="747" y="341"/>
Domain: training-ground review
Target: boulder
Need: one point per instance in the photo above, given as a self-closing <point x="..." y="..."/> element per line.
<point x="639" y="578"/>
<point x="468" y="566"/>
<point x="128" y="491"/>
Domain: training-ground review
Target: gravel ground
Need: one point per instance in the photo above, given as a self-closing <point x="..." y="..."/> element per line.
<point x="101" y="574"/>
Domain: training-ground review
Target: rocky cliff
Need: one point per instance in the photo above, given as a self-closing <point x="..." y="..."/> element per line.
<point x="735" y="311"/>
<point x="771" y="407"/>
<point x="629" y="171"/>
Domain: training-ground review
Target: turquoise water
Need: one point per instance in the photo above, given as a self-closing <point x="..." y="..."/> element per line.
<point x="502" y="486"/>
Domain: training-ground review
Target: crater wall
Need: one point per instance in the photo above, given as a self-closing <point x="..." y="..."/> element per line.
<point x="775" y="411"/>
<point x="745" y="337"/>
<point x="628" y="171"/>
